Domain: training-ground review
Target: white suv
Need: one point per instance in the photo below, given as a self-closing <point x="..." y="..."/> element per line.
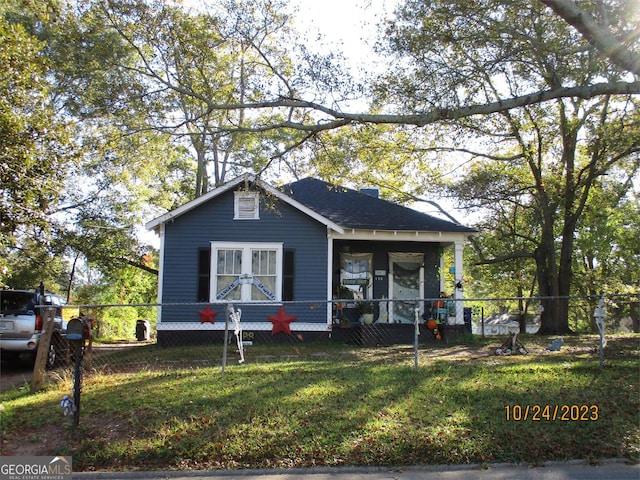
<point x="22" y="314"/>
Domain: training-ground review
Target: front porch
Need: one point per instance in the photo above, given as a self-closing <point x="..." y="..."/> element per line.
<point x="389" y="278"/>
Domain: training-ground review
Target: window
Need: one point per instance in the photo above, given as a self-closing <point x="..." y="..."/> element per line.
<point x="246" y="206"/>
<point x="355" y="274"/>
<point x="264" y="269"/>
<point x="246" y="272"/>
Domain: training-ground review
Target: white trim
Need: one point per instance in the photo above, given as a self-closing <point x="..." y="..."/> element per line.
<point x="458" y="275"/>
<point x="395" y="257"/>
<point x="402" y="235"/>
<point x="160" y="274"/>
<point x="247" y="249"/>
<point x="257" y="326"/>
<point x="329" y="276"/>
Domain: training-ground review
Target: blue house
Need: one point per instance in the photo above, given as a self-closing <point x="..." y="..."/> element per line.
<point x="284" y="254"/>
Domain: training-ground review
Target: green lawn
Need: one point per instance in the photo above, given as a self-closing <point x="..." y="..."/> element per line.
<point x="343" y="405"/>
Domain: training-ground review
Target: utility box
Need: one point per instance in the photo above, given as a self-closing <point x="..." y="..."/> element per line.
<point x="143" y="333"/>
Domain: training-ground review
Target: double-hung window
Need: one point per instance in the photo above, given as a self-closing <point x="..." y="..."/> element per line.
<point x="246" y="271"/>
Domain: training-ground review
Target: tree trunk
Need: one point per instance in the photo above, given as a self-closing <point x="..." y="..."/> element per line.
<point x="635" y="316"/>
<point x="554" y="319"/>
<point x="71" y="277"/>
<point x="522" y="312"/>
<point x="202" y="178"/>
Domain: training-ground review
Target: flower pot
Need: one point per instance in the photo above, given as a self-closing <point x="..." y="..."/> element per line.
<point x="367" y="318"/>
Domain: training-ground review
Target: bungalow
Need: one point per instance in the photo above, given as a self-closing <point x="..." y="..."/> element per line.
<point x="283" y="254"/>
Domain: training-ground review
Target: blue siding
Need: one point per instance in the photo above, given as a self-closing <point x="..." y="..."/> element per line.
<point x="213" y="221"/>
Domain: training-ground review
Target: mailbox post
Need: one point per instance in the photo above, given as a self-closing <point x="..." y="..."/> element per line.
<point x="77" y="333"/>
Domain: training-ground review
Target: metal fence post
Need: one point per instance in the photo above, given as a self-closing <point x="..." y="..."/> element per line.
<point x="415" y="335"/>
<point x="226" y="337"/>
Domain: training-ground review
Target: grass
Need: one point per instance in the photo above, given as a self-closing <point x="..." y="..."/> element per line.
<point x="338" y="405"/>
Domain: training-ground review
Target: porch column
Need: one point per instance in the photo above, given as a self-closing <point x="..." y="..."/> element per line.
<point x="329" y="305"/>
<point x="457" y="293"/>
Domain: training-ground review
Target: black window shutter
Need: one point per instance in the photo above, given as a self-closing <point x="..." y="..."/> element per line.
<point x="288" y="274"/>
<point x="204" y="274"/>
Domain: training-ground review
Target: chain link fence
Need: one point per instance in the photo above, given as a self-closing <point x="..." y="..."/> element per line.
<point x="124" y="340"/>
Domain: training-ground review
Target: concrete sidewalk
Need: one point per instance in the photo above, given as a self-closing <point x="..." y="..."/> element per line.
<point x="574" y="470"/>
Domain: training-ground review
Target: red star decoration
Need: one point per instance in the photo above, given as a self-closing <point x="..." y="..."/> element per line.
<point x="207" y="315"/>
<point x="281" y="322"/>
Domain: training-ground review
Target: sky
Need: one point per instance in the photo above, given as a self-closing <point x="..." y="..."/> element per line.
<point x="349" y="24"/>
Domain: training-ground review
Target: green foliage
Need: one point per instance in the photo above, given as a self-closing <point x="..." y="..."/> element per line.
<point x="390" y="158"/>
<point x="123" y="286"/>
<point x="111" y="112"/>
<point x="34" y="145"/>
<point x="76" y="190"/>
<point x="187" y="61"/>
<point x="34" y="263"/>
<point x="530" y="170"/>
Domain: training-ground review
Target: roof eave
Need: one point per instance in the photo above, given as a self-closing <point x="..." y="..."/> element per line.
<point x="404" y="235"/>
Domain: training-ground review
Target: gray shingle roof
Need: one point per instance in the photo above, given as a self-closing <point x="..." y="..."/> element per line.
<point x="352" y="209"/>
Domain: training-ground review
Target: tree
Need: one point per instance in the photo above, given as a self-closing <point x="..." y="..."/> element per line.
<point x="280" y="102"/>
<point x="599" y="34"/>
<point x="322" y="117"/>
<point x="461" y="63"/>
<point x="72" y="183"/>
<point x="34" y="149"/>
<point x="129" y="75"/>
<point x="392" y="159"/>
<point x="607" y="256"/>
<point x="500" y="257"/>
<point x="187" y="60"/>
<point x="550" y="155"/>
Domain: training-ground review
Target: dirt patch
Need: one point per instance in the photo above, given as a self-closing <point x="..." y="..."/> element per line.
<point x="458" y="352"/>
<point x="43" y="441"/>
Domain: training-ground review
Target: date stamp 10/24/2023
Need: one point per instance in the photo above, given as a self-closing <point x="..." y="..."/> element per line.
<point x="551" y="413"/>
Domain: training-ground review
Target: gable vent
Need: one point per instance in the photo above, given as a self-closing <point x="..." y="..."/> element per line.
<point x="246" y="206"/>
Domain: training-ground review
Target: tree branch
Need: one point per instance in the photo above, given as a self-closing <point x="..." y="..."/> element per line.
<point x="339" y="119"/>
<point x="600" y="37"/>
<point x="140" y="266"/>
<point x="504" y="258"/>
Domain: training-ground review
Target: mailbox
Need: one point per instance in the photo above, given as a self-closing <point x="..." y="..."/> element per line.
<point x="76" y="330"/>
